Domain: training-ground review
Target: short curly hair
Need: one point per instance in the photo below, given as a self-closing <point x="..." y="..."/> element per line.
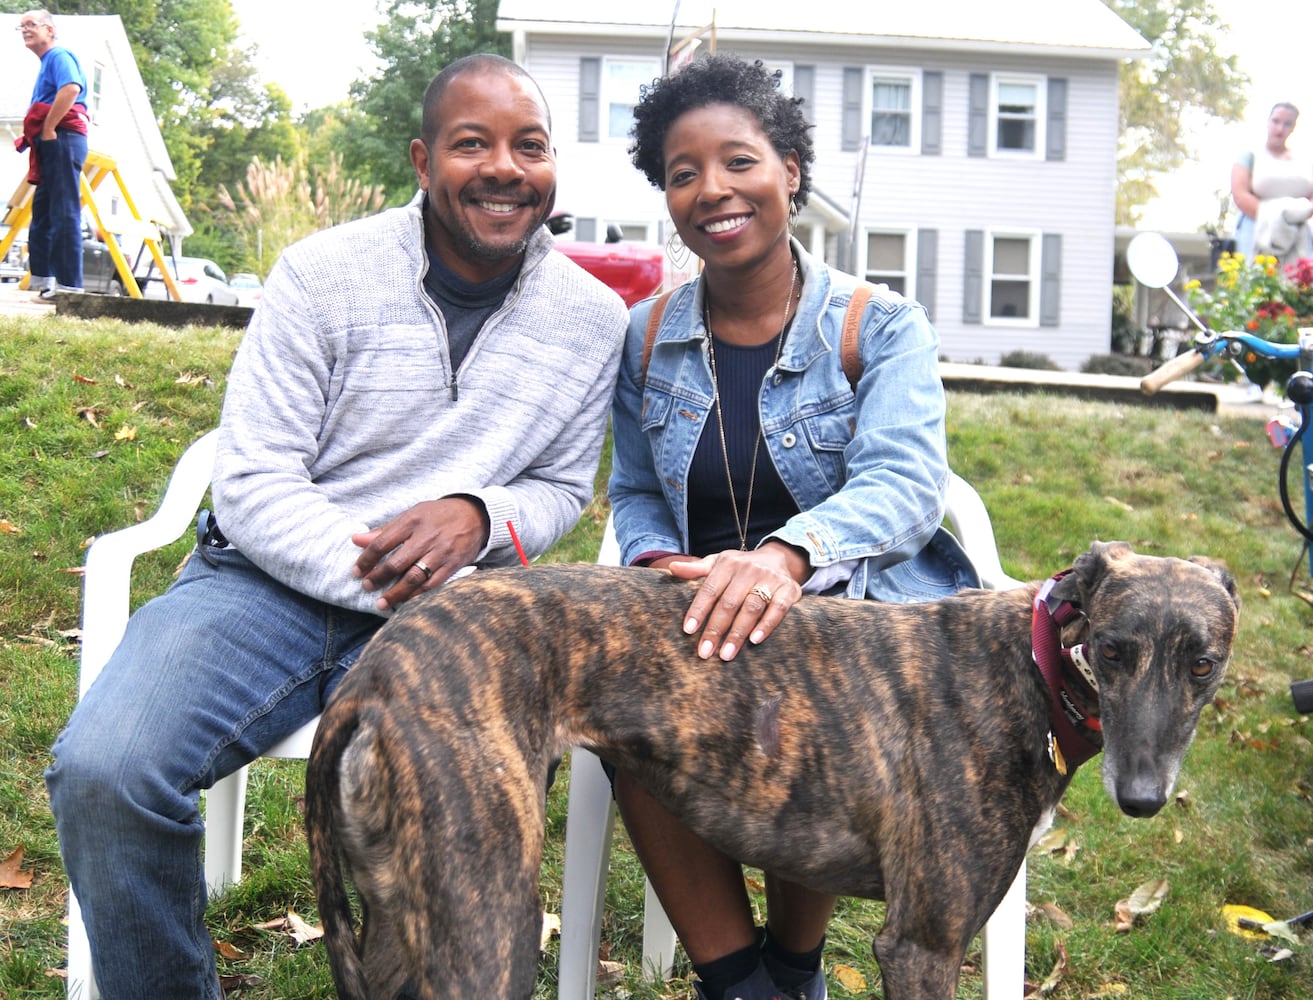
<point x="722" y="78"/>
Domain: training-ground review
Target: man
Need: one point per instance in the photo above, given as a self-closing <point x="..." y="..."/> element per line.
<point x="412" y="387"/>
<point x="55" y="128"/>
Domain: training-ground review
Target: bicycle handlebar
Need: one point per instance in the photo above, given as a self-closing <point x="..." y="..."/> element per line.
<point x="1173" y="369"/>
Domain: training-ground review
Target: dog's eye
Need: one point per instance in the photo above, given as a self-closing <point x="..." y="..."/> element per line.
<point x="1203" y="668"/>
<point x="1109" y="652"/>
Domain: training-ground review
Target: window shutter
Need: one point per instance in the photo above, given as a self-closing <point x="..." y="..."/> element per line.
<point x="585" y="229"/>
<point x="590" y="95"/>
<point x="1056" y="143"/>
<point x="973" y="288"/>
<point x="932" y="113"/>
<point x="1050" y="280"/>
<point x="804" y="86"/>
<point x="978" y="115"/>
<point x="927" y="274"/>
<point x="852" y="107"/>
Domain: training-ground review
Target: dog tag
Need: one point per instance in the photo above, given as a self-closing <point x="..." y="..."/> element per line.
<point x="1055" y="754"/>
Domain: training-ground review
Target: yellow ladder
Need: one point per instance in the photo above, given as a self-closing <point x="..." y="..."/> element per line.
<point x="97" y="167"/>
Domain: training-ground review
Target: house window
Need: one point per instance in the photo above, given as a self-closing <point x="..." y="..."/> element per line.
<point x="1017" y="110"/>
<point x="895" y="102"/>
<point x="621" y="80"/>
<point x="97" y="88"/>
<point x="1013" y="269"/>
<point x="888" y="257"/>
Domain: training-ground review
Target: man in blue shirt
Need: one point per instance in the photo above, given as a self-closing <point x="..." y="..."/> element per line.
<point x="56" y="129"/>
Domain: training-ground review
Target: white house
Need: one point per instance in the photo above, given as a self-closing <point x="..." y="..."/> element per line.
<point x="123" y="125"/>
<point x="965" y="151"/>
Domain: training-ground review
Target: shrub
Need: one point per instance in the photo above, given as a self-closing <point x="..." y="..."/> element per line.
<point x="1029" y="359"/>
<point x="1117" y="364"/>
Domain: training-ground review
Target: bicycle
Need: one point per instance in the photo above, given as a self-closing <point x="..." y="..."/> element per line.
<point x="1154" y="263"/>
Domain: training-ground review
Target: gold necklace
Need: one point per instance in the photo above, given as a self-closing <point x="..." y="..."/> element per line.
<point x="741" y="526"/>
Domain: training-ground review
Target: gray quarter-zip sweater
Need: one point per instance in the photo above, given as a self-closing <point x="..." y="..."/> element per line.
<point x="342" y="410"/>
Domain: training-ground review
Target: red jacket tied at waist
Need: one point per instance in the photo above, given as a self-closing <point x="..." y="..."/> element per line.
<point x="35" y="119"/>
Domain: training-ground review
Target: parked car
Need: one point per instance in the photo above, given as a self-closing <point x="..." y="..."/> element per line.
<point x="198" y="280"/>
<point x="14" y="265"/>
<point x="248" y="288"/>
<point x="634" y="270"/>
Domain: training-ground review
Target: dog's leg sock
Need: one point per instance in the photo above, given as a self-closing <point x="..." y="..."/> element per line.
<point x="790" y="969"/>
<point x="728" y="971"/>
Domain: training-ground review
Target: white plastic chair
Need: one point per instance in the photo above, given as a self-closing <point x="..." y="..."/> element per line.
<point x="590" y="820"/>
<point x="106" y="582"/>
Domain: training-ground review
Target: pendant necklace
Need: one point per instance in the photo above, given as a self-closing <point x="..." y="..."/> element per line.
<point x="741" y="526"/>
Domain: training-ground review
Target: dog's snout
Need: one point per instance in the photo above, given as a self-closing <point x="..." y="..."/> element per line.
<point x="1141" y="806"/>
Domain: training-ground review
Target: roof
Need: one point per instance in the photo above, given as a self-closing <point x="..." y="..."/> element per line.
<point x="1042" y="27"/>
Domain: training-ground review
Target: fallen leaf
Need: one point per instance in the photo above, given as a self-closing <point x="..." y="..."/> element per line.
<point x="1054" y="915"/>
<point x="1277" y="954"/>
<point x="230" y="951"/>
<point x="99" y="454"/>
<point x="1055" y="977"/>
<point x="232" y="984"/>
<point x="126" y="433"/>
<point x="551" y="926"/>
<point x="74" y="570"/>
<point x="56" y="974"/>
<point x="300" y="931"/>
<point x="1122" y="919"/>
<point x="1109" y="990"/>
<point x="849" y="978"/>
<point x="88" y="413"/>
<point x="1052" y="842"/>
<point x="191" y="378"/>
<point x="83" y="379"/>
<point x="610" y="973"/>
<point x="9" y="528"/>
<point x="12" y="875"/>
<point x="1148" y="897"/>
<point x="118" y="380"/>
<point x="29" y="423"/>
<point x="1119" y="503"/>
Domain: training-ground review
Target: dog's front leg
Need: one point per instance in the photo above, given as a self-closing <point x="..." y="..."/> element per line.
<point x="911" y="971"/>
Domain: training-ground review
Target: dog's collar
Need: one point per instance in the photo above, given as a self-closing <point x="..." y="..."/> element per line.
<point x="1076" y="734"/>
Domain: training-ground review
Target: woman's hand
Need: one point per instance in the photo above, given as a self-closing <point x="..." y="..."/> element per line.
<point x="743" y="596"/>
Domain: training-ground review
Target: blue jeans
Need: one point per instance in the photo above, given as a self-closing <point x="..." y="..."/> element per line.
<point x="54" y="236"/>
<point x="210" y="674"/>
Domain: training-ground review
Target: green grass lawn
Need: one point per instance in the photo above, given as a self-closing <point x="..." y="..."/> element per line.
<point x="93" y="415"/>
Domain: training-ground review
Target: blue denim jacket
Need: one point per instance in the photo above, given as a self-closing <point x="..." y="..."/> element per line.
<point x="868" y="472"/>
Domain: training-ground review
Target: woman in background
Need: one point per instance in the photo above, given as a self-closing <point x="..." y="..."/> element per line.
<point x="1272" y="191"/>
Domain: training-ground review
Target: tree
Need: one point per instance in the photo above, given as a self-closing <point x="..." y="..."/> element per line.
<point x="418" y="38"/>
<point x="1184" y="80"/>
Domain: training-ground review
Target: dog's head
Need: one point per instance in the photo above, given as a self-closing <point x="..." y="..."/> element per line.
<point x="1159" y="637"/>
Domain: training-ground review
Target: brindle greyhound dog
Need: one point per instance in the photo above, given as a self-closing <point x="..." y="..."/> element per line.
<point x="899" y="752"/>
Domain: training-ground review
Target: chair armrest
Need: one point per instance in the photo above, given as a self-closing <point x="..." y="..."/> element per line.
<point x="970" y="522"/>
<point x="107" y="573"/>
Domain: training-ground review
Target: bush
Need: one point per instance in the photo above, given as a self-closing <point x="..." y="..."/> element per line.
<point x="1029" y="359"/>
<point x="1117" y="364"/>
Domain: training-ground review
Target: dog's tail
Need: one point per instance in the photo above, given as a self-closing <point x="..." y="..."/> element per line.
<point x="337" y="727"/>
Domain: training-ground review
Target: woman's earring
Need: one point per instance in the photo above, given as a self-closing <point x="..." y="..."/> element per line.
<point x="793" y="214"/>
<point x="676" y="250"/>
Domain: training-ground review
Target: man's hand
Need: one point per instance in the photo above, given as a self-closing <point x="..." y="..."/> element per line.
<point x="421" y="548"/>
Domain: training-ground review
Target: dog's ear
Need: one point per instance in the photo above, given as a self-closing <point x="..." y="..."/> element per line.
<point x="1088" y="570"/>
<point x="1223" y="575"/>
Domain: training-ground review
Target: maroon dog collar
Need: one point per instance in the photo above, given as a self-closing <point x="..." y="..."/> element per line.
<point x="1076" y="733"/>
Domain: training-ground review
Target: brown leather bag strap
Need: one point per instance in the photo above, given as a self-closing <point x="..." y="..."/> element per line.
<point x="649" y="335"/>
<point x="849" y="349"/>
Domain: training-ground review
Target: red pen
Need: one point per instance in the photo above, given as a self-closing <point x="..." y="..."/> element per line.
<point x="518" y="547"/>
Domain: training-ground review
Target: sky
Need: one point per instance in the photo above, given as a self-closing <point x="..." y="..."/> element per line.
<point x="315" y="52"/>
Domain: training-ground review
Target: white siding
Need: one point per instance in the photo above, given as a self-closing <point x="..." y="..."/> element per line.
<point x="950" y="193"/>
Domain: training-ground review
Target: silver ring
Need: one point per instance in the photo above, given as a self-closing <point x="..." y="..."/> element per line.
<point x="419" y="565"/>
<point x="763" y="592"/>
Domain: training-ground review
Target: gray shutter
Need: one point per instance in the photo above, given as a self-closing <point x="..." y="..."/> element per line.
<point x="1056" y="144"/>
<point x="927" y="273"/>
<point x="804" y="86"/>
<point x="973" y="276"/>
<point x="852" y="108"/>
<point x="590" y="95"/>
<point x="585" y="229"/>
<point x="978" y="115"/>
<point x="932" y="113"/>
<point x="1050" y="280"/>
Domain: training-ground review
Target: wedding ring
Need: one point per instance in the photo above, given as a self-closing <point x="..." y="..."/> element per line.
<point x="763" y="592"/>
<point x="419" y="565"/>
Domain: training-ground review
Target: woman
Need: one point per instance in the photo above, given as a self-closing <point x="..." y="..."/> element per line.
<point x="1272" y="191"/>
<point x="744" y="459"/>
